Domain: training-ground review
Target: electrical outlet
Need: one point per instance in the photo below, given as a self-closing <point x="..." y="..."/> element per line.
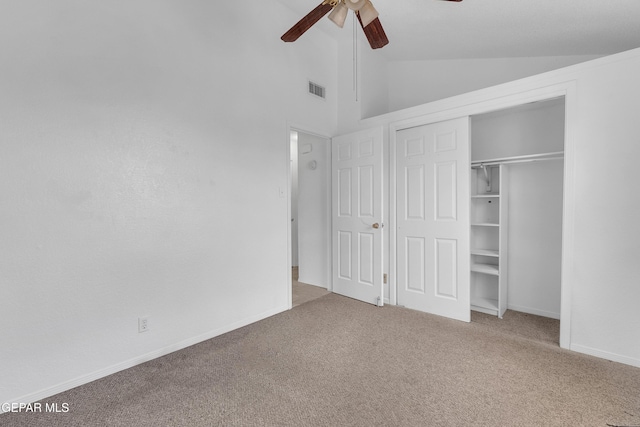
<point x="143" y="324"/>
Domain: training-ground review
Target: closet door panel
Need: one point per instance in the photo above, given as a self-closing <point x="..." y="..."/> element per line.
<point x="433" y="218"/>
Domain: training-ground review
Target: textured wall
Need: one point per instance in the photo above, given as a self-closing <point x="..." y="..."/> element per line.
<point x="143" y="147"/>
<point x="314" y="214"/>
<point x="413" y="83"/>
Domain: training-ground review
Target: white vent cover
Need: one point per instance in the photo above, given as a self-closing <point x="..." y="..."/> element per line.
<point x="317" y="90"/>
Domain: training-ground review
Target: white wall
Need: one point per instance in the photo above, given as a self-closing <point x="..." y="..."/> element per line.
<point x="143" y="150"/>
<point x="535" y="237"/>
<point x="413" y="83"/>
<point x="374" y="91"/>
<point x="314" y="201"/>
<point x="605" y="268"/>
<point x="533" y="128"/>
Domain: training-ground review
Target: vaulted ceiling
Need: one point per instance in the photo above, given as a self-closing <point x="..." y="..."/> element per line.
<point x="433" y="29"/>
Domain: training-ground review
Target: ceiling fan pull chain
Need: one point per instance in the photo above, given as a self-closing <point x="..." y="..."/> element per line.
<point x="355" y="57"/>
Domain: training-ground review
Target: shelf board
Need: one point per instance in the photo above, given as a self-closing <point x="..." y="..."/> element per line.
<point x="486" y="269"/>
<point x="485" y="252"/>
<point x="485" y="224"/>
<point x="485" y="305"/>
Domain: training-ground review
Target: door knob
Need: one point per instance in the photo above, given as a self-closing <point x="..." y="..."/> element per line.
<point x="376" y="225"/>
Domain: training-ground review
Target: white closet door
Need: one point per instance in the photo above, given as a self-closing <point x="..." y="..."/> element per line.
<point x="433" y="218"/>
<point x="357" y="215"/>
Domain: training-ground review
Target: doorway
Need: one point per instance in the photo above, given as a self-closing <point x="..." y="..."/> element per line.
<point x="521" y="129"/>
<point x="522" y="148"/>
<point x="558" y="97"/>
<point x="310" y="215"/>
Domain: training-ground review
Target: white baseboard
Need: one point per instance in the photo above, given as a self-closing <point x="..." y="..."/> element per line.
<point x="534" y="311"/>
<point x="84" y="379"/>
<point x="606" y="355"/>
<point x="310" y="282"/>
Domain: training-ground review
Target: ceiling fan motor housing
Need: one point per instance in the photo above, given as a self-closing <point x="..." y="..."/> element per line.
<point x="355" y="4"/>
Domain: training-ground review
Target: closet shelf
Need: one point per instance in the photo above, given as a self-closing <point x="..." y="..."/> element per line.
<point x="485" y="252"/>
<point x="518" y="159"/>
<point x="486" y="269"/>
<point x="485" y="305"/>
<point x="485" y="196"/>
<point x="485" y="224"/>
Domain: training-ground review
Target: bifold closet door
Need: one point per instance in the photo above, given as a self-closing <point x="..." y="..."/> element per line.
<point x="433" y="218"/>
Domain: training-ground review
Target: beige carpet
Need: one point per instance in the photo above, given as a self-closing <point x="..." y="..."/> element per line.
<point x="525" y="325"/>
<point x="302" y="292"/>
<point x="334" y="361"/>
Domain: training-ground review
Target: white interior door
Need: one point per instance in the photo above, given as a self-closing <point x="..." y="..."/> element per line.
<point x="357" y="215"/>
<point x="433" y="218"/>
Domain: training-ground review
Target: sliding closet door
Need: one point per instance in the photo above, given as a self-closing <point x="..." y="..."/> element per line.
<point x="433" y="218"/>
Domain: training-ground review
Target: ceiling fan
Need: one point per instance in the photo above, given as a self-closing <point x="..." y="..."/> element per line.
<point x="364" y="10"/>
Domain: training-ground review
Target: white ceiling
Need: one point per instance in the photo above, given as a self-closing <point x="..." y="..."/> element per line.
<point x="433" y="29"/>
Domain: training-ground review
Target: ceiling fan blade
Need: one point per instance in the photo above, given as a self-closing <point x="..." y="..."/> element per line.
<point x="375" y="33"/>
<point x="307" y="22"/>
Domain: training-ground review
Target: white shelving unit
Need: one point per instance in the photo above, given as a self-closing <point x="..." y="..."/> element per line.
<point x="489" y="219"/>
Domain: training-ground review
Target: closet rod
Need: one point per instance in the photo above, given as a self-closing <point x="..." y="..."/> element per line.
<point x="517" y="159"/>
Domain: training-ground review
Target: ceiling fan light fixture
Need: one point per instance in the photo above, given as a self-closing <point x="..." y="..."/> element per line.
<point x="355" y="4"/>
<point x="339" y="14"/>
<point x="368" y="13"/>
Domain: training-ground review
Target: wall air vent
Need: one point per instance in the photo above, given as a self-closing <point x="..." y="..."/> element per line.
<point x="317" y="90"/>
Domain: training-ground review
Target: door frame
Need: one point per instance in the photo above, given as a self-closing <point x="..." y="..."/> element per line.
<point x="566" y="90"/>
<point x="294" y="127"/>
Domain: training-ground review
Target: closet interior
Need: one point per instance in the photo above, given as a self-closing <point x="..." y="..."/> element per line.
<point x="517" y="161"/>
